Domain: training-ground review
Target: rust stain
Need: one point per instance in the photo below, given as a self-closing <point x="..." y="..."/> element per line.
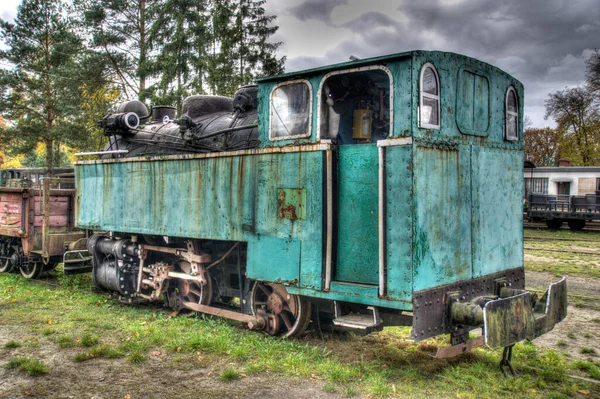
<point x="283" y="211"/>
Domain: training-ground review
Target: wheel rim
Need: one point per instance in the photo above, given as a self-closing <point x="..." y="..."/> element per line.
<point x="6" y="266"/>
<point x="190" y="290"/>
<point x="286" y="314"/>
<point x="31" y="269"/>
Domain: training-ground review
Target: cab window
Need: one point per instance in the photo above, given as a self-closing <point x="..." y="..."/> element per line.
<point x="290" y="111"/>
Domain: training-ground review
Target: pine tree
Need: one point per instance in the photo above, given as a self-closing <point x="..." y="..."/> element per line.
<point x="120" y="29"/>
<point x="39" y="95"/>
<point x="240" y="47"/>
<point x="178" y="38"/>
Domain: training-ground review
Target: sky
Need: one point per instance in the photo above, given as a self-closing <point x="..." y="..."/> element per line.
<point x="543" y="43"/>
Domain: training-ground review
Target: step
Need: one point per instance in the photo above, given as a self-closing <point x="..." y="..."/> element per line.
<point x="359" y="321"/>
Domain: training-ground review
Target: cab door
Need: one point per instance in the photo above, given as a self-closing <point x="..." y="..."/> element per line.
<point x="357" y="214"/>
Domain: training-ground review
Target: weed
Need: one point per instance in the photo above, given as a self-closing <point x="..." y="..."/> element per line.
<point x="562" y="343"/>
<point x="329" y="387"/>
<point x="379" y="387"/>
<point x="34" y="367"/>
<point x="571" y="335"/>
<point x="12" y="345"/>
<point x="89" y="340"/>
<point x="349" y="391"/>
<point x="106" y="351"/>
<point x="589" y="367"/>
<point x="587" y="335"/>
<point x="48" y="331"/>
<point x="596" y="319"/>
<point x="65" y="341"/>
<point x="230" y="374"/>
<point x="136" y="357"/>
<point x="588" y="351"/>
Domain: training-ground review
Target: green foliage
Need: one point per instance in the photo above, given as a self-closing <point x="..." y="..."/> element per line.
<point x="119" y="30"/>
<point x="42" y="94"/>
<point x="34" y="367"/>
<point x="209" y="46"/>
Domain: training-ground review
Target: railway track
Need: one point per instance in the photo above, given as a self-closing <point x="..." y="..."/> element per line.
<point x="563" y="251"/>
<point x="549" y="239"/>
<point x="590" y="227"/>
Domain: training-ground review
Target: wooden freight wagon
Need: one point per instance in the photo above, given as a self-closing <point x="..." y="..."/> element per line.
<point x="36" y="220"/>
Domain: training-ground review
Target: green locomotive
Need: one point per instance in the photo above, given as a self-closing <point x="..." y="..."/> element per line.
<point x="387" y="191"/>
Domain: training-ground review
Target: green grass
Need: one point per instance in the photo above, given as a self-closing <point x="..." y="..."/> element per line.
<point x="230" y="374"/>
<point x="89" y="340"/>
<point x="136" y="356"/>
<point x="545" y="258"/>
<point x="589" y="367"/>
<point x="12" y="345"/>
<point x="34" y="367"/>
<point x="105" y="351"/>
<point x="588" y="351"/>
<point x="87" y="325"/>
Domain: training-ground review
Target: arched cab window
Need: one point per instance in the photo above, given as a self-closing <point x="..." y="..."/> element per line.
<point x="511" y="116"/>
<point x="429" y="98"/>
<point x="291" y="110"/>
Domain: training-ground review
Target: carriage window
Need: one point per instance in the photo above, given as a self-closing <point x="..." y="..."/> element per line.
<point x="290" y="110"/>
<point x="511" y="118"/>
<point x="429" y="102"/>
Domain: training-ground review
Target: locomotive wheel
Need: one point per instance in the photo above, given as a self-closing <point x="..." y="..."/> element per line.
<point x="287" y="315"/>
<point x="32" y="269"/>
<point x="576" y="224"/>
<point x="50" y="266"/>
<point x="554" y="224"/>
<point x="191" y="290"/>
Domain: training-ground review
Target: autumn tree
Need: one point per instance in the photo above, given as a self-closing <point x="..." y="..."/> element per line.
<point x="575" y="110"/>
<point x="542" y="146"/>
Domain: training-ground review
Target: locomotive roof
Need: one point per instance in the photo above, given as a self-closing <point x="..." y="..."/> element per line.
<point x="368" y="61"/>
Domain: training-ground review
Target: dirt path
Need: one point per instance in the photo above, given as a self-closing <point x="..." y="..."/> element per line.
<point x="579" y="334"/>
<point x="161" y="377"/>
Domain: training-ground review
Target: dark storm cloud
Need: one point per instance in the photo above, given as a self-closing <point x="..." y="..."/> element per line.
<point x="542" y="43"/>
<point x="315" y="9"/>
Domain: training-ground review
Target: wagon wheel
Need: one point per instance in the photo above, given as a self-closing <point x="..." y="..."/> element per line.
<point x="576" y="224"/>
<point x="190" y="290"/>
<point x="32" y="269"/>
<point x="50" y="266"/>
<point x="6" y="264"/>
<point x="287" y="315"/>
<point x="554" y="224"/>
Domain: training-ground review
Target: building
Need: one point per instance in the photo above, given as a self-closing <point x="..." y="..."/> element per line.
<point x="563" y="180"/>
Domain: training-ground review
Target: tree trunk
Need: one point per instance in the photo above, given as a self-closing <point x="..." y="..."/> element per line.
<point x="142" y="59"/>
<point x="49" y="156"/>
